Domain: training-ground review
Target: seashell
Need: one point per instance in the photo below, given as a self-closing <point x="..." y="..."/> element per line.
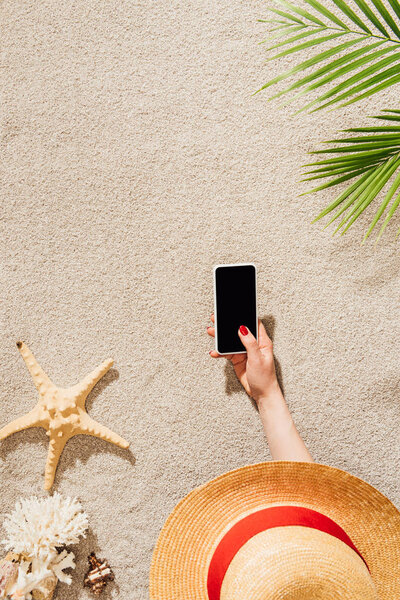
<point x="99" y="574"/>
<point x="8" y="575"/>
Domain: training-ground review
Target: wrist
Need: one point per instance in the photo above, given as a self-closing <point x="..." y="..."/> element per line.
<point x="271" y="396"/>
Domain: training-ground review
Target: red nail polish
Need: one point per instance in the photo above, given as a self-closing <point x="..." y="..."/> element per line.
<point x="243" y="330"/>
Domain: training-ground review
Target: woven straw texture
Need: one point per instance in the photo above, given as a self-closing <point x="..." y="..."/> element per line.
<point x="195" y="527"/>
<point x="134" y="158"/>
<point x="297" y="563"/>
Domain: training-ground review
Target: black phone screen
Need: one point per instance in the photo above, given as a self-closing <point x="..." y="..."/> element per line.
<point x="235" y="305"/>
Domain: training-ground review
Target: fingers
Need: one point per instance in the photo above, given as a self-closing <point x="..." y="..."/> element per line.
<point x="211" y="332"/>
<point x="249" y="341"/>
<point x="263" y="338"/>
<point x="210" y="328"/>
<point x="214" y="354"/>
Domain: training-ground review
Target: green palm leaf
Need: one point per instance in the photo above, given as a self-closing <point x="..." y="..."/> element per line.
<point x="346" y="75"/>
<point x="370" y="156"/>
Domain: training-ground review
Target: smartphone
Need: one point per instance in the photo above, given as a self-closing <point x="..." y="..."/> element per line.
<point x="235" y="304"/>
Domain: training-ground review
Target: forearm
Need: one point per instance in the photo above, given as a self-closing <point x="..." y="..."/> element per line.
<point x="283" y="439"/>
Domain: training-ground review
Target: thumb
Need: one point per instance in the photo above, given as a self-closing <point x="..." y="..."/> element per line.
<point x="248" y="340"/>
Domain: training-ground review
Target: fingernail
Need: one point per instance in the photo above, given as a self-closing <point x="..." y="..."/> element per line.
<point x="243" y="330"/>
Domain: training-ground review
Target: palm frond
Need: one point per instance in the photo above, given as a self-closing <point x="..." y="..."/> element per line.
<point x="371" y="157"/>
<point x="344" y="75"/>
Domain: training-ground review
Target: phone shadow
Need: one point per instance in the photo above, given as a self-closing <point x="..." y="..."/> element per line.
<point x="232" y="384"/>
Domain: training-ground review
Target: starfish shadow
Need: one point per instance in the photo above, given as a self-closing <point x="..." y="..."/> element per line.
<point x="86" y="445"/>
<point x="107" y="379"/>
<point x="80" y="448"/>
<point x="75" y="450"/>
<point x="82" y="550"/>
<point x="232" y="384"/>
<point x="26" y="437"/>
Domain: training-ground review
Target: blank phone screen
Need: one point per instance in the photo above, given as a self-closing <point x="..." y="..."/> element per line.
<point x="235" y="305"/>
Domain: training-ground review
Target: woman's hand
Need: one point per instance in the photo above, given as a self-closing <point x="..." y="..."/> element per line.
<point x="256" y="368"/>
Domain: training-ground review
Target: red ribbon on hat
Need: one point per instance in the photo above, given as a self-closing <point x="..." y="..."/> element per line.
<point x="268" y="518"/>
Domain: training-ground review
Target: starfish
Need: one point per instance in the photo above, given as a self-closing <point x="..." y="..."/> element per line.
<point x="61" y="412"/>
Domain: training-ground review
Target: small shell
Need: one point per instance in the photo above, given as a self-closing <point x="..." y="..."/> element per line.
<point x="8" y="575"/>
<point x="98" y="575"/>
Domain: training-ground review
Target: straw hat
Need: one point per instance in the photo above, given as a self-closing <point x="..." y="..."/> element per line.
<point x="280" y="531"/>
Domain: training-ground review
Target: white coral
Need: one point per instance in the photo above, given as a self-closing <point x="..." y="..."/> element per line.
<point x="27" y="581"/>
<point x="36" y="528"/>
<point x="64" y="560"/>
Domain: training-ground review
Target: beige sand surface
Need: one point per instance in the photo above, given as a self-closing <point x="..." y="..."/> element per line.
<point x="133" y="159"/>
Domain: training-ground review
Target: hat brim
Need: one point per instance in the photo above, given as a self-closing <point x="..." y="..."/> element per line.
<point x="194" y="528"/>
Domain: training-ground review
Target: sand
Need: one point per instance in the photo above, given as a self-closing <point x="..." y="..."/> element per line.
<point x="133" y="159"/>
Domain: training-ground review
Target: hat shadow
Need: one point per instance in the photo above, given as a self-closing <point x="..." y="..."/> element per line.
<point x="232" y="384"/>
